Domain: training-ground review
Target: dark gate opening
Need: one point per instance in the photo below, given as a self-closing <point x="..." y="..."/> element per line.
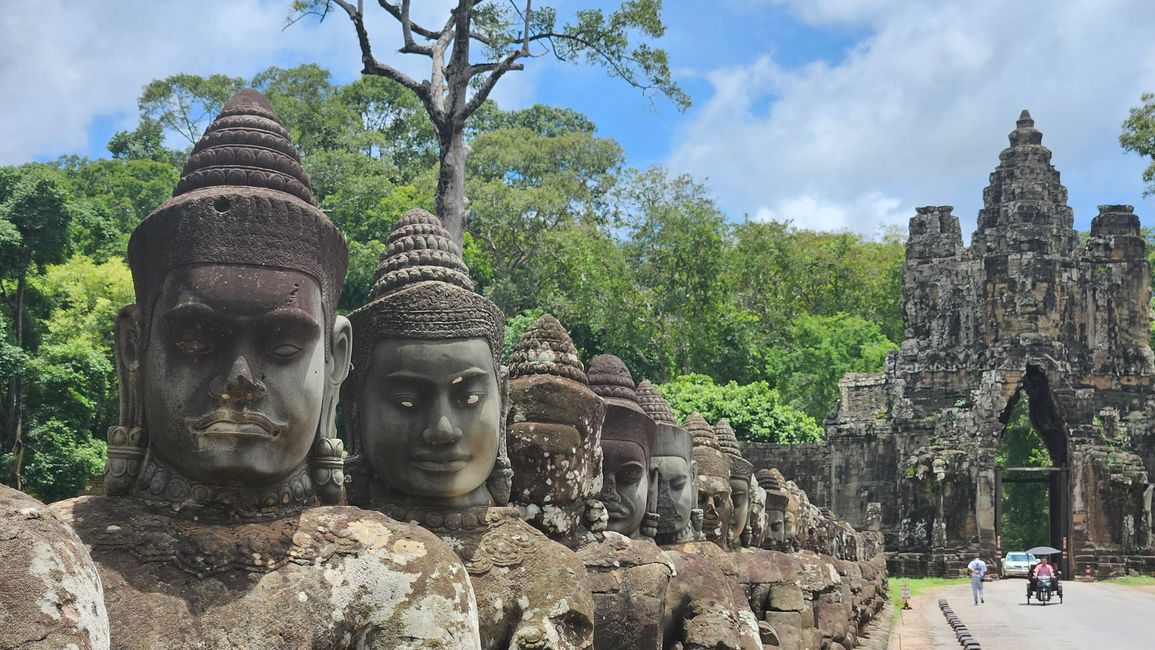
<point x="1022" y="467"/>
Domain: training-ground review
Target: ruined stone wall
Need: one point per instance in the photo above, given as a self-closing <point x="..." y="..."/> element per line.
<point x="807" y="465"/>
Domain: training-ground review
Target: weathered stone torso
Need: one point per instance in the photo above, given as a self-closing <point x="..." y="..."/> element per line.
<point x="50" y="593"/>
<point x="629" y="579"/>
<point x="329" y="577"/>
<point x="531" y="592"/>
<point x="701" y="606"/>
<point x="747" y="625"/>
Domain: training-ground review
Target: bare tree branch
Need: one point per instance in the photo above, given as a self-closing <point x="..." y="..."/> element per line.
<point x="505" y="65"/>
<point x="402" y="16"/>
<point x="375" y="67"/>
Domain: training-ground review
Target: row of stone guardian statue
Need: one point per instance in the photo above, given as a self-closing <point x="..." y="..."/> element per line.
<point x="535" y="506"/>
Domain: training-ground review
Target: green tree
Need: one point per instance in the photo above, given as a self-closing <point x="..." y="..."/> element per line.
<point x="678" y="243"/>
<point x="523" y="184"/>
<point x="817" y="351"/>
<point x="508" y="34"/>
<point x="1139" y="136"/>
<point x="35" y="218"/>
<point x="185" y="103"/>
<point x="754" y="410"/>
<point x="71" y="393"/>
<point x="781" y="272"/>
<point x="110" y="197"/>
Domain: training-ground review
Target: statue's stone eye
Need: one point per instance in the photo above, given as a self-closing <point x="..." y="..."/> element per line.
<point x="472" y="399"/>
<point x="406" y="403"/>
<point x="194" y="346"/>
<point x="285" y="350"/>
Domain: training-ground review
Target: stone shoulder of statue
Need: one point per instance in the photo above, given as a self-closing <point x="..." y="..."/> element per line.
<point x="703" y="607"/>
<point x="525" y="583"/>
<point x="731" y="578"/>
<point x="610" y="550"/>
<point x="50" y="593"/>
<point x="327" y="577"/>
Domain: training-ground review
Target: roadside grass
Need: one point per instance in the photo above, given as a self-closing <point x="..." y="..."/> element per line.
<point x="1133" y="581"/>
<point x="918" y="586"/>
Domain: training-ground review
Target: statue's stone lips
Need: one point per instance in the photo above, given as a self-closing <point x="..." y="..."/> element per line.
<point x="239" y="424"/>
<point x="446" y="463"/>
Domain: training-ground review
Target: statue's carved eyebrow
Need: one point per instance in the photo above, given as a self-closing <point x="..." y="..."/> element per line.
<point x="454" y="378"/>
<point x="193" y="311"/>
<point x="291" y="317"/>
<point x="282" y="317"/>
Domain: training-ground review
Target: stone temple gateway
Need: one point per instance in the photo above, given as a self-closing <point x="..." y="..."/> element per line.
<point x="1031" y="310"/>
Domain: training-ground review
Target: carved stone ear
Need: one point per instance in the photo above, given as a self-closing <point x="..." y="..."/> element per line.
<point x="341" y="352"/>
<point x="128" y="440"/>
<point x="326" y="459"/>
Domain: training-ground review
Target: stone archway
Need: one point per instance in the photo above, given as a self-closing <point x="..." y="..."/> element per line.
<point x="1048" y="422"/>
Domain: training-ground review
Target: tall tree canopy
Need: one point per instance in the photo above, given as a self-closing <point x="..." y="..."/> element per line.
<point x="1139" y="136"/>
<point x="506" y="33"/>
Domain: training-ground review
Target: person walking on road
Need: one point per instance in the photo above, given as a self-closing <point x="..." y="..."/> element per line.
<point x="978" y="571"/>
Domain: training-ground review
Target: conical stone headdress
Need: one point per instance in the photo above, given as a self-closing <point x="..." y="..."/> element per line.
<point x="672" y="439"/>
<point x="244" y="199"/>
<point x="545" y="348"/>
<point x="712" y="461"/>
<point x="776" y="497"/>
<point x="740" y="468"/>
<point x="611" y="380"/>
<point x="422" y="290"/>
<point x="555" y="421"/>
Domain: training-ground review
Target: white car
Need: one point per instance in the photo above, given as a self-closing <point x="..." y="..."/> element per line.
<point x="1018" y="564"/>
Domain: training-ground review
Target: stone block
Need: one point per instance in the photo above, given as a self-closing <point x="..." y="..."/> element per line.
<point x="786" y="598"/>
<point x="788" y="626"/>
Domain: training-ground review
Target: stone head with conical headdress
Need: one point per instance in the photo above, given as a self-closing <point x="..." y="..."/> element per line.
<point x="231" y="359"/>
<point x="713" y="482"/>
<point x="629" y="475"/>
<point x="426" y="405"/>
<point x="770" y="480"/>
<point x="555" y="425"/>
<point x="677" y="470"/>
<point x="740" y="473"/>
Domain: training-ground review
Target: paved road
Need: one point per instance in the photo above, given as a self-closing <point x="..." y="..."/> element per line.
<point x="1097" y="615"/>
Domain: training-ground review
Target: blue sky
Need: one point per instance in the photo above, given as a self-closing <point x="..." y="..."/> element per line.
<point x="835" y="114"/>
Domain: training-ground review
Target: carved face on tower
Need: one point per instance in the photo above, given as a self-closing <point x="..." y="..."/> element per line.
<point x="677" y="471"/>
<point x="429" y="401"/>
<point x="232" y="357"/>
<point x="713" y="480"/>
<point x="629" y="477"/>
<point x="740" y="473"/>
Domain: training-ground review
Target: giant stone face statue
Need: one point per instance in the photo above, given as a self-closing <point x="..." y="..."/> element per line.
<point x="230" y="364"/>
<point x="714" y="481"/>
<point x="677" y="470"/>
<point x="629" y="476"/>
<point x="428" y="423"/>
<point x="740" y="473"/>
<point x="777" y="501"/>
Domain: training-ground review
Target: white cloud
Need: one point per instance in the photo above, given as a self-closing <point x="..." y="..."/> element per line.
<point x="64" y="64"/>
<point x="916" y="113"/>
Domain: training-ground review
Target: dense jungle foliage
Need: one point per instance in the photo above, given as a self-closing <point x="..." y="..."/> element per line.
<point x="754" y="321"/>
